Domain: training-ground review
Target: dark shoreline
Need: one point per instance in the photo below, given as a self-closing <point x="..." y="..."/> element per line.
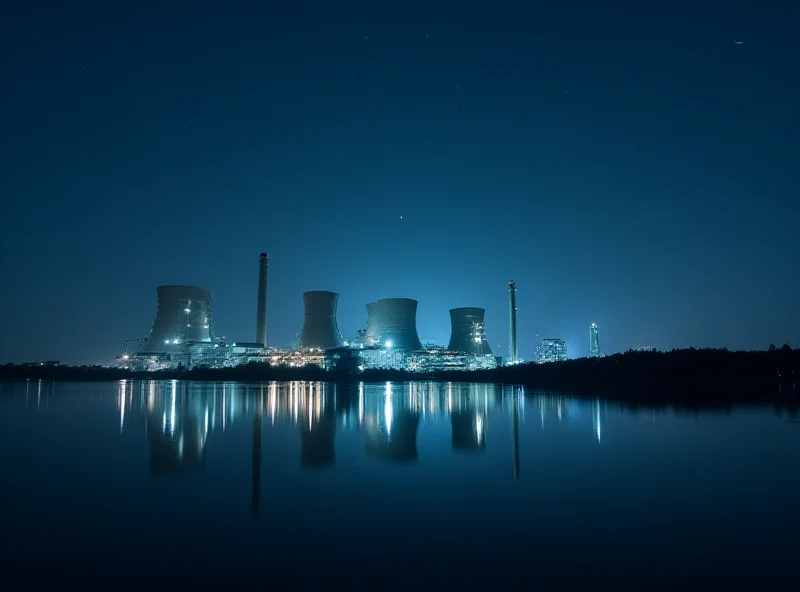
<point x="691" y="376"/>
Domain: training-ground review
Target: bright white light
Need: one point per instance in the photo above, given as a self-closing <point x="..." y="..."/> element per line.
<point x="388" y="410"/>
<point x="166" y="342"/>
<point x="176" y="341"/>
<point x="186" y="310"/>
<point x="389" y="344"/>
<point x="125" y="357"/>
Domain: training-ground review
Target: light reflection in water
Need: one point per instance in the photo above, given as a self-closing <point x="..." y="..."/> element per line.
<point x="180" y="416"/>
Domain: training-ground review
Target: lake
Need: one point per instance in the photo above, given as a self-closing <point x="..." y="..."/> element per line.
<point x="371" y="485"/>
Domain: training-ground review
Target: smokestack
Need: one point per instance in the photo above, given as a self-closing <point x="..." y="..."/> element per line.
<point x="512" y="322"/>
<point x="261" y="314"/>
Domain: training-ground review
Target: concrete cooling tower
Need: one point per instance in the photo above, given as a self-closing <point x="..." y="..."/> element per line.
<point x="393" y="321"/>
<point x="468" y="332"/>
<point x="183" y="316"/>
<point x="319" y="327"/>
<point x="373" y="335"/>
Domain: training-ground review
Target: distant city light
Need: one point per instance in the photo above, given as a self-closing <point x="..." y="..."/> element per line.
<point x="176" y="341"/>
<point x="389" y="344"/>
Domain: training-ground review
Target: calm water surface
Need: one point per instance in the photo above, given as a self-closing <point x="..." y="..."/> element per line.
<point x="312" y="484"/>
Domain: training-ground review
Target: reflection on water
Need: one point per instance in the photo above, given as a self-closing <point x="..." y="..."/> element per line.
<point x="179" y="417"/>
<point x="176" y="430"/>
<point x="434" y="475"/>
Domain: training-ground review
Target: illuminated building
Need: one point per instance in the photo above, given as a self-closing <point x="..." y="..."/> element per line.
<point x="553" y="350"/>
<point x="320" y="330"/>
<point x="468" y="332"/>
<point x="436" y="360"/>
<point x="295" y="358"/>
<point x="392" y="323"/>
<point x="183" y="316"/>
<point x="594" y="342"/>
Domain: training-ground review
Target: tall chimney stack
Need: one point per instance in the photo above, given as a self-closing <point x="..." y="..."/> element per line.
<point x="261" y="315"/>
<point x="512" y="322"/>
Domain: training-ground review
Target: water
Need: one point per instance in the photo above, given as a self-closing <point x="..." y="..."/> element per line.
<point x="314" y="484"/>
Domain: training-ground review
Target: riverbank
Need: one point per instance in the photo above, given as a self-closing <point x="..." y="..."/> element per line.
<point x="691" y="374"/>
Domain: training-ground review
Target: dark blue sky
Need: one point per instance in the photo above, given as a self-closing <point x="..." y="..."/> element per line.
<point x="626" y="163"/>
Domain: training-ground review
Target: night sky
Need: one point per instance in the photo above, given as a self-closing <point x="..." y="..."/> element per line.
<point x="627" y="164"/>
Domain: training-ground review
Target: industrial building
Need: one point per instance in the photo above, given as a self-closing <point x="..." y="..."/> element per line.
<point x="183" y="315"/>
<point x="553" y="350"/>
<point x="468" y="332"/>
<point x="182" y="336"/>
<point x="594" y="342"/>
<point x="392" y="323"/>
<point x="320" y="330"/>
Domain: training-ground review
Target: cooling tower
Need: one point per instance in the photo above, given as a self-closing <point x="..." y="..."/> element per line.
<point x="373" y="335"/>
<point x="393" y="321"/>
<point x="467" y="332"/>
<point x="183" y="316"/>
<point x="319" y="327"/>
<point x="261" y="313"/>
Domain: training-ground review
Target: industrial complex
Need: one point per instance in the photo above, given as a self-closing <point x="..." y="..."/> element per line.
<point x="182" y="336"/>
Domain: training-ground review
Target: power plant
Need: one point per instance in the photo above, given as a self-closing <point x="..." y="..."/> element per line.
<point x="261" y="313"/>
<point x="182" y="336"/>
<point x="320" y="330"/>
<point x="512" y="322"/>
<point x="468" y="332"/>
<point x="183" y="316"/>
<point x="392" y="323"/>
